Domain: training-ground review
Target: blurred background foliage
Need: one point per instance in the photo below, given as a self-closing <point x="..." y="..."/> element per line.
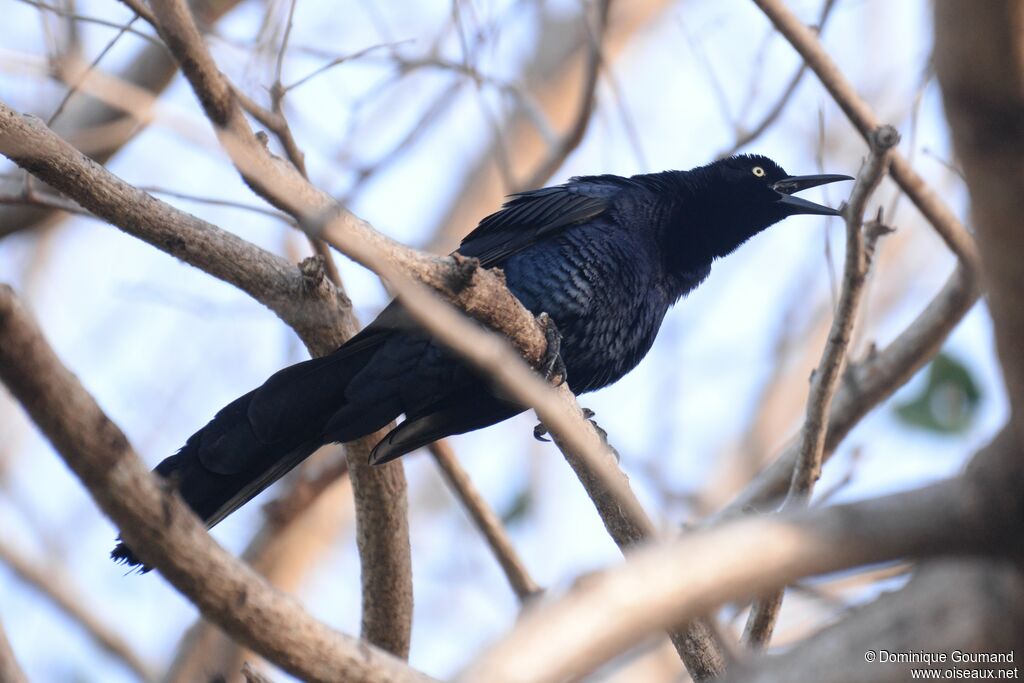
<point x="421" y="116"/>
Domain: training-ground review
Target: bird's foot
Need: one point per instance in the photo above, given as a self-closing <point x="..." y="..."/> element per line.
<point x="540" y="432"/>
<point x="552" y="367"/>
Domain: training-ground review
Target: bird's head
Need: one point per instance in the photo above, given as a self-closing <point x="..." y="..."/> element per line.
<point x="731" y="200"/>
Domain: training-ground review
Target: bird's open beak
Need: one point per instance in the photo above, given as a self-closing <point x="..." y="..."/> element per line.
<point x="787" y="186"/>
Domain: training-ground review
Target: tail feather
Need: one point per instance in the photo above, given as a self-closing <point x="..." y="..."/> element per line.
<point x="257" y="438"/>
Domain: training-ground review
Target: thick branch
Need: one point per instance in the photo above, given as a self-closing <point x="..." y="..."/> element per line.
<point x="734" y="561"/>
<point x="980" y="65"/>
<point x="970" y="605"/>
<point x="382" y="537"/>
<point x="163" y="531"/>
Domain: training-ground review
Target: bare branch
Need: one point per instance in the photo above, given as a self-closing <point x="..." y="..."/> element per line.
<point x="10" y="671"/>
<point x="299" y="296"/>
<point x="811" y="449"/>
<point x="56" y="588"/>
<point x="573" y="136"/>
<point x="745" y="137"/>
<point x="664" y="585"/>
<point x="486" y="521"/>
<point x="981" y="72"/>
<point x="969" y="605"/>
<point x="382" y="536"/>
<point x="863" y="118"/>
<point x="163" y="531"/>
<point x="151" y="70"/>
<point x="866" y="384"/>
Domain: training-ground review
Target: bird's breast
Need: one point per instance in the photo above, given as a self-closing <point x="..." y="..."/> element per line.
<point x="602" y="290"/>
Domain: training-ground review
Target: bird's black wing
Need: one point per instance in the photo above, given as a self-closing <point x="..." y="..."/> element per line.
<point x="530" y="216"/>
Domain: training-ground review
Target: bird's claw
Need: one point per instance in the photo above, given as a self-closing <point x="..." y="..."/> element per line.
<point x="540" y="432"/>
<point x="552" y="366"/>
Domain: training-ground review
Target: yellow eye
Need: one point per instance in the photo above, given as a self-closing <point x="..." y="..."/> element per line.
<point x="758" y="171"/>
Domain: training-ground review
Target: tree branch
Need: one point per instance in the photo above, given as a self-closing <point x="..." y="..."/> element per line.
<point x="301" y="297"/>
<point x="55" y="588"/>
<point x="163" y="531"/>
<point x="664" y="585"/>
<point x="866" y="384"/>
<point x="980" y="65"/>
<point x="969" y="605"/>
<point x="10" y="671"/>
<point x="864" y="120"/>
<point x="151" y="70"/>
<point x="486" y="521"/>
<point x="811" y="449"/>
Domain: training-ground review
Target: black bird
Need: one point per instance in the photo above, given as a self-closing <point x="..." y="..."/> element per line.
<point x="604" y="256"/>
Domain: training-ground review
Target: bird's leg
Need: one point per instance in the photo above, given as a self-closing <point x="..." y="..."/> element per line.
<point x="540" y="432"/>
<point x="552" y="366"/>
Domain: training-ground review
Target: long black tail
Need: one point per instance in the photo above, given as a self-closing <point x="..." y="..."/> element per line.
<point x="257" y="438"/>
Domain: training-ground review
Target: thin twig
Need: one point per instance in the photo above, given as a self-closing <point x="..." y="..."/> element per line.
<point x="810" y="453"/>
<point x="745" y="137"/>
<point x="486" y="521"/>
<point x="56" y="588"/>
<point x="863" y="118"/>
<point x="574" y="135"/>
<point x="61" y="12"/>
<point x="139" y="7"/>
<point x="84" y="73"/>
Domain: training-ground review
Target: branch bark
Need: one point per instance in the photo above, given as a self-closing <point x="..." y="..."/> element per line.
<point x="978" y="513"/>
<point x="152" y="71"/>
<point x="163" y="531"/>
<point x="486" y="521"/>
<point x="811" y="450"/>
<point x="980" y="65"/>
<point x="10" y="670"/>
<point x="54" y="586"/>
<point x="970" y="605"/>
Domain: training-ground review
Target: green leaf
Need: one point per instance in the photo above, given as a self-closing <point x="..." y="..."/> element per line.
<point x="519" y="508"/>
<point x="948" y="402"/>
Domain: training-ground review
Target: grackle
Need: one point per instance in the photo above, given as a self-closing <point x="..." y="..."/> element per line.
<point x="604" y="256"/>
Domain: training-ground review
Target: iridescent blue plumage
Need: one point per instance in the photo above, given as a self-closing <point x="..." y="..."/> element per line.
<point x="604" y="256"/>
